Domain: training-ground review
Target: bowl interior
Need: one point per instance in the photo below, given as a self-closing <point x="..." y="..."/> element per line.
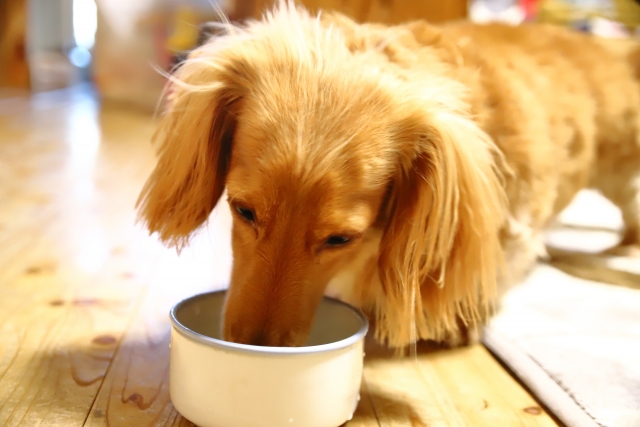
<point x="335" y="321"/>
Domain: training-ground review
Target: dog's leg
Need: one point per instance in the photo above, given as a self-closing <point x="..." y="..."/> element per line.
<point x="629" y="246"/>
<point x="523" y="246"/>
<point x="619" y="180"/>
<point x="630" y="207"/>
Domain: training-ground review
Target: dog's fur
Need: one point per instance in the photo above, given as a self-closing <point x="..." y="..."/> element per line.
<point x="440" y="152"/>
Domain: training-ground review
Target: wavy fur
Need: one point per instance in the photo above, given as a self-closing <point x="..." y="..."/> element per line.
<point x="438" y="152"/>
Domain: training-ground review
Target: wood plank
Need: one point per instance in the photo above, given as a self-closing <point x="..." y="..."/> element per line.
<point x="68" y="295"/>
<point x="452" y="387"/>
<point x="135" y="391"/>
<point x="55" y="356"/>
<point x="60" y="330"/>
<point x="407" y="393"/>
<point x="365" y="415"/>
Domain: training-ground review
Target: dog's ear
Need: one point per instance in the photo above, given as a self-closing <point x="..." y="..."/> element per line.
<point x="193" y="141"/>
<point x="440" y="253"/>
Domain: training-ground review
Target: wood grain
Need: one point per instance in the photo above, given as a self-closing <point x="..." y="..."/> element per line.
<point x="65" y="300"/>
<point x="447" y="387"/>
<point x="85" y="292"/>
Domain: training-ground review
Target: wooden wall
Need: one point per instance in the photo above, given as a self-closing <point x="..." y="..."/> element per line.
<point x="386" y="11"/>
<point x="14" y="68"/>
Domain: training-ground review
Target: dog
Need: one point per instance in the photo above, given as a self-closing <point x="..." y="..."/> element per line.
<point x="410" y="170"/>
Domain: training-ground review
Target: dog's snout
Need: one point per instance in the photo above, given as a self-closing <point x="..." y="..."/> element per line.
<point x="257" y="312"/>
<point x="266" y="337"/>
<point x="260" y="339"/>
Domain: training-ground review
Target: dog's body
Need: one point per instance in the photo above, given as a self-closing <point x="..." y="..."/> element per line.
<point x="397" y="166"/>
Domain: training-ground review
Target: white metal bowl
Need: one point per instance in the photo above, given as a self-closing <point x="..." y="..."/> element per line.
<point x="215" y="383"/>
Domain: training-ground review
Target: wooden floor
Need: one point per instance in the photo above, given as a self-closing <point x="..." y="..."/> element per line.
<point x="85" y="293"/>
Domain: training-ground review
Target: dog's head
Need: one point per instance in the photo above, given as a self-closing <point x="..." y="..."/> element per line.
<point x="321" y="149"/>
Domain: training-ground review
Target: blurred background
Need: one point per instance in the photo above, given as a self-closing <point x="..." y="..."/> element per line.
<point x="117" y="46"/>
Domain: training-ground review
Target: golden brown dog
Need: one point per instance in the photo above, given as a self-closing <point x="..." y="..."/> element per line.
<point x="412" y="169"/>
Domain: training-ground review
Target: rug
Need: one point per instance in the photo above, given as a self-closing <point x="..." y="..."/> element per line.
<point x="575" y="343"/>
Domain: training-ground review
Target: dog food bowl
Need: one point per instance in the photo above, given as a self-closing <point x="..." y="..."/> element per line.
<point x="215" y="383"/>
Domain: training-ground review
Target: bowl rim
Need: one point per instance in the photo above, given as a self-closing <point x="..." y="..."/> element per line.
<point x="262" y="350"/>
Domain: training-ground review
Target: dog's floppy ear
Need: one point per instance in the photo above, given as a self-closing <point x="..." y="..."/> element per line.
<point x="440" y="253"/>
<point x="193" y="142"/>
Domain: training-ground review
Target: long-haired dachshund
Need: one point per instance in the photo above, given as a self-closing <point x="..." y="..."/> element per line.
<point x="412" y="169"/>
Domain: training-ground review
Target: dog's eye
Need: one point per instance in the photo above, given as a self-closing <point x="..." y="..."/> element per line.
<point x="337" y="240"/>
<point x="246" y="213"/>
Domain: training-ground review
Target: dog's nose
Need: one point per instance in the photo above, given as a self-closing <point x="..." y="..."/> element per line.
<point x="267" y="338"/>
<point x="242" y="334"/>
<point x="259" y="338"/>
<point x="262" y="335"/>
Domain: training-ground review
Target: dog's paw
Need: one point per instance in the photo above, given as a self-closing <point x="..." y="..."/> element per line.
<point x="466" y="334"/>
